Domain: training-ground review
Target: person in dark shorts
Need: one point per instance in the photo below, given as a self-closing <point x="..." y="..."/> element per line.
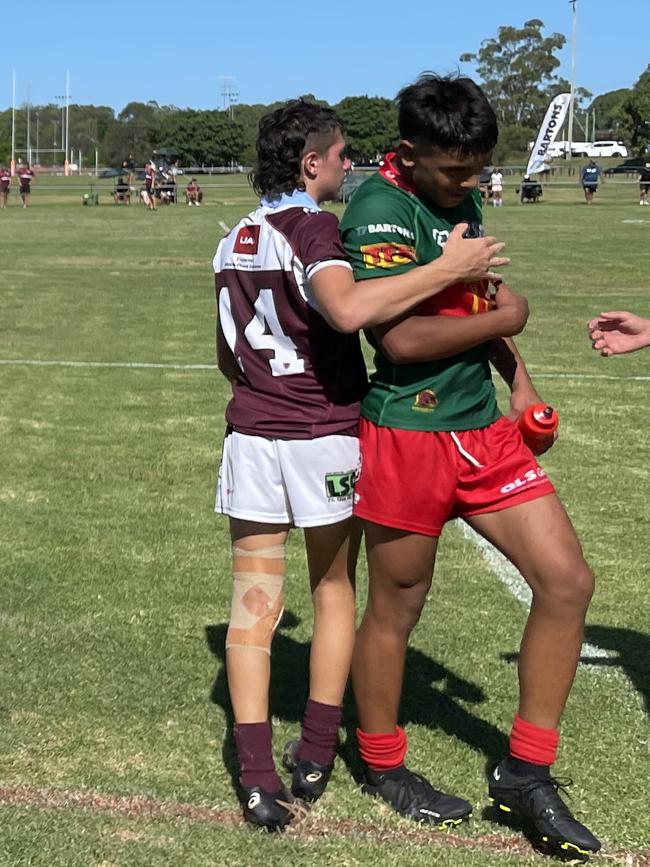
<point x="150" y="185"/>
<point x="288" y="315"/>
<point x="5" y="183"/>
<point x="435" y="446"/>
<point x="644" y="184"/>
<point x="589" y="177"/>
<point x="25" y="176"/>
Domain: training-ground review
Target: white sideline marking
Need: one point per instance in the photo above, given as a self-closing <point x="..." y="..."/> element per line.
<point x="224" y="226"/>
<point x="588" y="376"/>
<point x="34" y="362"/>
<point x="156" y="365"/>
<point x="511" y="577"/>
<point x="606" y="376"/>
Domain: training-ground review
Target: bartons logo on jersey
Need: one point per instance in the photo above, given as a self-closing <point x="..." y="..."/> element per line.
<point x="247" y="240"/>
<point x="387" y="255"/>
<point x="387" y="228"/>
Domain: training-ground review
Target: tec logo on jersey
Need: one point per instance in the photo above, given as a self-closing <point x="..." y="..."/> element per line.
<point x="247" y="240"/>
<point x="387" y="255"/>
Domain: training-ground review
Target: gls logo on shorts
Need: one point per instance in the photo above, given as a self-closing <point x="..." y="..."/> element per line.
<point x="340" y="485"/>
<point x="529" y="477"/>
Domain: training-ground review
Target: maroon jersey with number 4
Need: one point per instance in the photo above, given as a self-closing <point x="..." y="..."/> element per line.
<point x="298" y="379"/>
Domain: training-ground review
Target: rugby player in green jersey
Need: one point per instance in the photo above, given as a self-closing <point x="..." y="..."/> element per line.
<point x="435" y="447"/>
<point x="285" y="294"/>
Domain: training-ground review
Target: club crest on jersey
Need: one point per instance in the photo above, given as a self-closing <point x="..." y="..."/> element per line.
<point x="387" y="255"/>
<point x="248" y="238"/>
<point x="425" y="400"/>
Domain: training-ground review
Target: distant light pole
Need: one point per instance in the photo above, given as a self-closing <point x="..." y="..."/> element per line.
<point x="13" y="124"/>
<point x="229" y="94"/>
<point x="65" y="123"/>
<point x="572" y="3"/>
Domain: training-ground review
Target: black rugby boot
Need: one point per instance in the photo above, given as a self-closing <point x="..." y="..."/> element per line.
<point x="413" y="796"/>
<point x="270" y="810"/>
<point x="309" y="779"/>
<point x="535" y="796"/>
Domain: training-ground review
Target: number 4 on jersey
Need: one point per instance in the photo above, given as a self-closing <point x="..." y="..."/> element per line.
<point x="286" y="360"/>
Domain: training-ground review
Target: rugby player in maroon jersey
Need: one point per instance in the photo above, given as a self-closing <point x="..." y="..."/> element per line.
<point x="288" y="315"/>
<point x="25" y="176"/>
<point x="5" y="183"/>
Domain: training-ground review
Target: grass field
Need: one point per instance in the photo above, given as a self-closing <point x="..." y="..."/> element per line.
<point x="115" y="578"/>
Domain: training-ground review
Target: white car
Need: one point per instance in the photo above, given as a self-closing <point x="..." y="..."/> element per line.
<point x="604" y="149"/>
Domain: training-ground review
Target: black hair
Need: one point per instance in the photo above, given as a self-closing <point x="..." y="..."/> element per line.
<point x="449" y="112"/>
<point x="281" y="141"/>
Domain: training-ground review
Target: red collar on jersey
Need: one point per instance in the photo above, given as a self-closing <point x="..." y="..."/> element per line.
<point x="391" y="173"/>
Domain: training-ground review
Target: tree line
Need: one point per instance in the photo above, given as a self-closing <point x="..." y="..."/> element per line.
<point x="516" y="68"/>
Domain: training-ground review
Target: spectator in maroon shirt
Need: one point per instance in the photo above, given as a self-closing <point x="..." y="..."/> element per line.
<point x="150" y="184"/>
<point x="193" y="193"/>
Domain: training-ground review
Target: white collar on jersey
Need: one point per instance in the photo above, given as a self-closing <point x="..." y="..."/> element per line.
<point x="298" y="198"/>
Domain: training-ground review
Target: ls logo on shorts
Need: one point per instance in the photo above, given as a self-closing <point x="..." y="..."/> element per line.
<point x="340" y="485"/>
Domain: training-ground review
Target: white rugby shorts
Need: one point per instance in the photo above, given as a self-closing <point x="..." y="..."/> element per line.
<point x="306" y="483"/>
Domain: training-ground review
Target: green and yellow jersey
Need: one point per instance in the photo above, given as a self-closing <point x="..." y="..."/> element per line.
<point x="387" y="230"/>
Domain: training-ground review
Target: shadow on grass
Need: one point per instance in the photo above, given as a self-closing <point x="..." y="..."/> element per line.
<point x="433" y="696"/>
<point x="630" y="649"/>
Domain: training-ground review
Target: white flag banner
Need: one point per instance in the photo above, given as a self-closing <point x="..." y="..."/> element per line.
<point x="551" y="125"/>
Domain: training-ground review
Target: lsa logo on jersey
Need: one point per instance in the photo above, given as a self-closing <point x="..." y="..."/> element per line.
<point x="247" y="240"/>
<point x="387" y="255"/>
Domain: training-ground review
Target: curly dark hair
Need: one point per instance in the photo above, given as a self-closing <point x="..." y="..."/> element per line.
<point x="449" y="112"/>
<point x="281" y="142"/>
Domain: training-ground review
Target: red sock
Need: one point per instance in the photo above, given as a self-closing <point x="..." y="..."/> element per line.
<point x="383" y="751"/>
<point x="530" y="743"/>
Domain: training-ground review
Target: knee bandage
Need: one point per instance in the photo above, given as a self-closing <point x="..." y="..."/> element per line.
<point x="257" y="598"/>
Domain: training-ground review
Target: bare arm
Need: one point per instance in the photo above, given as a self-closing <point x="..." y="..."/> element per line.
<point x="510" y="365"/>
<point x="429" y="338"/>
<point x="617" y="332"/>
<point x="348" y="305"/>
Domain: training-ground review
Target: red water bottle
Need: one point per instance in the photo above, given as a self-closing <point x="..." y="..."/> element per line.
<point x="538" y="424"/>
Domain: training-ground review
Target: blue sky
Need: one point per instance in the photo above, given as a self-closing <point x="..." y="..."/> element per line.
<point x="275" y="49"/>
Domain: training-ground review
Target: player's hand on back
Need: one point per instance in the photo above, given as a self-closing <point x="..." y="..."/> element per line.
<point x="513" y="308"/>
<point x="473" y="258"/>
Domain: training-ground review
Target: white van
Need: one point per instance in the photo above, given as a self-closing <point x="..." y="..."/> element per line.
<point x="604" y="149"/>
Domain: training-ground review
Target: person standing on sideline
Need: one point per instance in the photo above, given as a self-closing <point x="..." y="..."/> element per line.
<point x="25" y="176"/>
<point x="288" y="315"/>
<point x="150" y="184"/>
<point x="644" y="184"/>
<point x="5" y="183"/>
<point x="617" y="332"/>
<point x="589" y="178"/>
<point x="435" y="446"/>
<point x="496" y="185"/>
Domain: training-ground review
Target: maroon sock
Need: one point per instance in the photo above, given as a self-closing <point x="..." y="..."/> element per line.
<point x="320" y="730"/>
<point x="255" y="754"/>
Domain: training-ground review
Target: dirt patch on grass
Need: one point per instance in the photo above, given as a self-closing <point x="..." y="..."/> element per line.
<point x="309" y="827"/>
